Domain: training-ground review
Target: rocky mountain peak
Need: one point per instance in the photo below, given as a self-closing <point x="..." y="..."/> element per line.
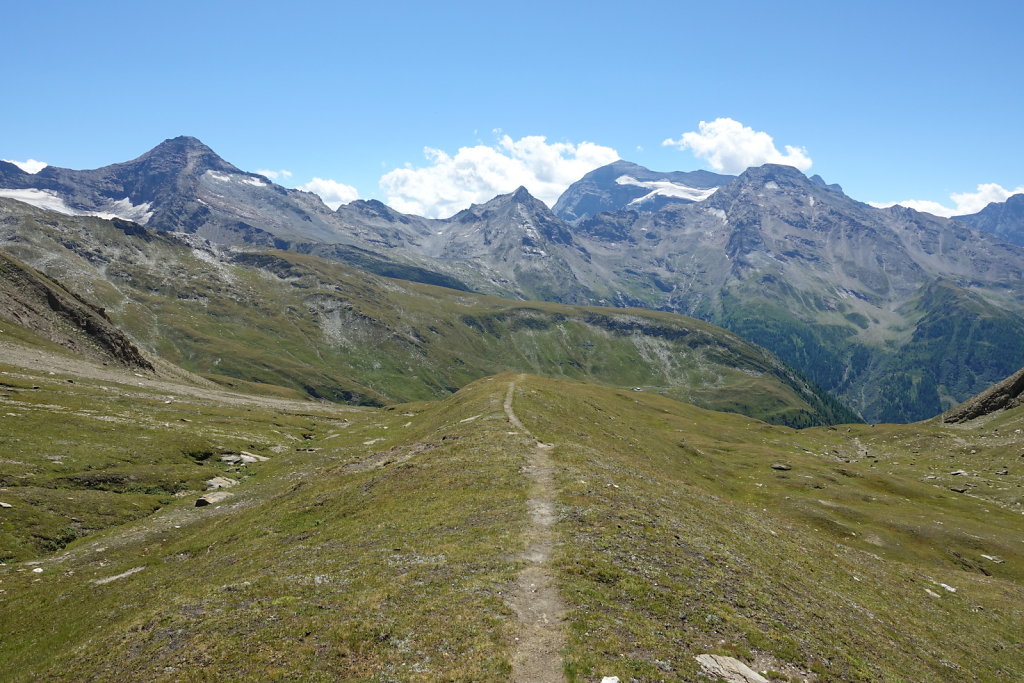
<point x="777" y="173"/>
<point x="517" y="200"/>
<point x="182" y="154"/>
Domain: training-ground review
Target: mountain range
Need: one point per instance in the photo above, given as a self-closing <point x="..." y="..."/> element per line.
<point x="244" y="436"/>
<point x="898" y="313"/>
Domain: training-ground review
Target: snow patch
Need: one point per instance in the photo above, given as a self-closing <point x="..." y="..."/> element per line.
<point x="237" y="178"/>
<point x="220" y="177"/>
<point x="665" y="188"/>
<point x="43" y="199"/>
<point x="124" y="209"/>
<point x="51" y="201"/>
<point x="771" y="185"/>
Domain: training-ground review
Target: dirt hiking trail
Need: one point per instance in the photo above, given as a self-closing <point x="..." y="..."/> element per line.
<point x="535" y="600"/>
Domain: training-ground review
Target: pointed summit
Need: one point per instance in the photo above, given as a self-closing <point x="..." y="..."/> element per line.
<point x="522" y="194"/>
<point x="181" y="143"/>
<point x="183" y="154"/>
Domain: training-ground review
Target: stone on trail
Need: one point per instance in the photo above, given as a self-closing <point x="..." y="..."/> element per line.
<point x="729" y="669"/>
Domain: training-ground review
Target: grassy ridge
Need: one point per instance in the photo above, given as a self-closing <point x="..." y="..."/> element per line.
<point x="370" y="545"/>
<point x="680" y="538"/>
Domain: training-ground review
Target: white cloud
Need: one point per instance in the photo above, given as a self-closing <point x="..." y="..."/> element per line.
<point x="274" y="175"/>
<point x="963" y="202"/>
<point x="332" y="192"/>
<point x="28" y="166"/>
<point x="730" y="147"/>
<point x="476" y="174"/>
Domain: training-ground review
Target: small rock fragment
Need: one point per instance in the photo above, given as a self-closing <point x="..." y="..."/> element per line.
<point x="993" y="558"/>
<point x="958" y="473"/>
<point x="6" y="505"/>
<point x="38" y="570"/>
<point x="777" y="466"/>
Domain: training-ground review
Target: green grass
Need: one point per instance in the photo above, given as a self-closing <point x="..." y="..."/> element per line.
<point x="679" y="538"/>
<point x="675" y="537"/>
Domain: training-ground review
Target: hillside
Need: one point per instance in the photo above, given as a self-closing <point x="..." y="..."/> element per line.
<point x="394" y="543"/>
<point x="282" y="319"/>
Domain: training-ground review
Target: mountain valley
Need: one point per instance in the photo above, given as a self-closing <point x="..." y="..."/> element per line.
<point x="246" y="436"/>
<point x="846" y="293"/>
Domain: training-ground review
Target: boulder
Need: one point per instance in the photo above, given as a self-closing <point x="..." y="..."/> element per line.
<point x="213" y="498"/>
<point x="220" y="483"/>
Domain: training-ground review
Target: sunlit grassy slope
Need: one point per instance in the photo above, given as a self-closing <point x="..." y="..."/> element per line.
<point x="381" y="544"/>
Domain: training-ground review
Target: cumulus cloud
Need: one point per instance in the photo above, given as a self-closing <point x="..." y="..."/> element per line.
<point x="963" y="202"/>
<point x="274" y="175"/>
<point x="332" y="192"/>
<point x="476" y="174"/>
<point x="730" y="147"/>
<point x="29" y="165"/>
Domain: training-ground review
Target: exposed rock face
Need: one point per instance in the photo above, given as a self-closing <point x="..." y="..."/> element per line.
<point x="37" y="303"/>
<point x="1006" y="394"/>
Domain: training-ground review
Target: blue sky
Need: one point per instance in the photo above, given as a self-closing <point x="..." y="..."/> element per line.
<point x="894" y="101"/>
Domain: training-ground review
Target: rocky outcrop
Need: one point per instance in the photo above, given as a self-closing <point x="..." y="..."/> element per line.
<point x="1006" y="394"/>
<point x="35" y="302"/>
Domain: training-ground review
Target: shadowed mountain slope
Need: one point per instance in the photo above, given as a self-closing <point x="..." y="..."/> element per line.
<point x="34" y="302"/>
